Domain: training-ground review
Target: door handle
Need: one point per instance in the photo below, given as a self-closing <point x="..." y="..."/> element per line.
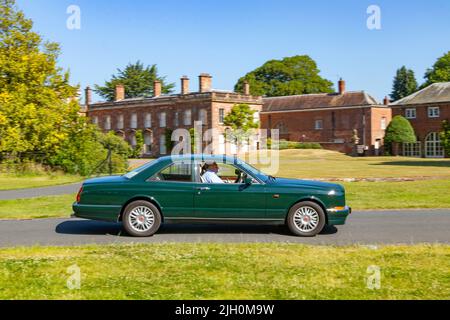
<point x="204" y="189"/>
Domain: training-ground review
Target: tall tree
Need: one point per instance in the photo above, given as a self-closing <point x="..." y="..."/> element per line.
<point x="440" y="72"/>
<point x="137" y="79"/>
<point x="445" y="136"/>
<point x="36" y="105"/>
<point x="405" y="84"/>
<point x="289" y="76"/>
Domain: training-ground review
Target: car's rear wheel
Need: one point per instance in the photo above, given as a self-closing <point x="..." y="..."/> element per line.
<point x="141" y="219"/>
<point x="306" y="219"/>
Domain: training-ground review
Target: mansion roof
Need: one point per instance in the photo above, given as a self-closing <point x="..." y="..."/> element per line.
<point x="319" y="101"/>
<point x="435" y="93"/>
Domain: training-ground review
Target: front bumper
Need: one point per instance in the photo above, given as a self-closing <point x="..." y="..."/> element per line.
<point x="338" y="216"/>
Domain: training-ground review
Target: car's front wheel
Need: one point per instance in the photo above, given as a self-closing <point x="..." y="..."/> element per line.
<point x="306" y="219"/>
<point x="141" y="219"/>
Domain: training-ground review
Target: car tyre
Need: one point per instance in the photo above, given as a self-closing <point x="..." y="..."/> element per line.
<point x="306" y="219"/>
<point x="141" y="219"/>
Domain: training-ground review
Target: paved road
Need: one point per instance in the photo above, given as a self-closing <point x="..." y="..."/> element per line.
<point x="40" y="192"/>
<point x="387" y="227"/>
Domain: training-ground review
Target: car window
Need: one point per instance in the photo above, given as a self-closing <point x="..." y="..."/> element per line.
<point x="177" y="172"/>
<point x="229" y="174"/>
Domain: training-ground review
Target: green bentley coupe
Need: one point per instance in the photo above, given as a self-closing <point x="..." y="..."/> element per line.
<point x="205" y="188"/>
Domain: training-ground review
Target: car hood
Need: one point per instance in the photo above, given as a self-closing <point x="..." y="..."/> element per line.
<point x="306" y="183"/>
<point x="109" y="179"/>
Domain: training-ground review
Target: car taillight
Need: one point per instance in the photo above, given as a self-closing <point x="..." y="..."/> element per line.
<point x="79" y="195"/>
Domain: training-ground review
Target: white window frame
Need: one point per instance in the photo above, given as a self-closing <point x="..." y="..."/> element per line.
<point x="187" y="117"/>
<point x="108" y="123"/>
<point x="120" y="122"/>
<point x="221" y="115"/>
<point x="411" y="113"/>
<point x="203" y="116"/>
<point x="433" y="146"/>
<point x="162" y="120"/>
<point x="176" y="119"/>
<point x="317" y="126"/>
<point x="383" y="123"/>
<point x="433" y="112"/>
<point x="148" y="120"/>
<point x="134" y="121"/>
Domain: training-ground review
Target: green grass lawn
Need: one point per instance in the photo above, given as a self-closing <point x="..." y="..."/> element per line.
<point x="225" y="271"/>
<point x="14" y="182"/>
<point x="43" y="207"/>
<point x="315" y="164"/>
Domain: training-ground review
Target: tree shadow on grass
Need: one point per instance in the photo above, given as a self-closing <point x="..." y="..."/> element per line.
<point x="88" y="227"/>
<point x="416" y="163"/>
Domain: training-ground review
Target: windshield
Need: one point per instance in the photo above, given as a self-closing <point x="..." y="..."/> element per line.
<point x="253" y="171"/>
<point x="136" y="171"/>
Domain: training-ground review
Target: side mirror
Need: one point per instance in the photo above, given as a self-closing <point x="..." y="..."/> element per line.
<point x="248" y="181"/>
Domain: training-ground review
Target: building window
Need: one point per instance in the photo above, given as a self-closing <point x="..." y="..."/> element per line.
<point x="433" y="112"/>
<point x="148" y="141"/>
<point x="256" y="117"/>
<point x="433" y="146"/>
<point x="133" y="121"/>
<point x="203" y="117"/>
<point x="148" y="120"/>
<point x="410" y="113"/>
<point x="162" y="120"/>
<point x="318" y="125"/>
<point x="95" y="120"/>
<point x="108" y="123"/>
<point x="120" y="122"/>
<point x="383" y="123"/>
<point x="176" y="119"/>
<point x="221" y="116"/>
<point x="162" y="144"/>
<point x="412" y="149"/>
<point x="282" y="128"/>
<point x="187" y="118"/>
<point x="133" y="140"/>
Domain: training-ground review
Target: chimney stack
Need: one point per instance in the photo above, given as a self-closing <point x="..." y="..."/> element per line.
<point x="205" y="81"/>
<point x="157" y="89"/>
<point x="246" y="88"/>
<point x="184" y="85"/>
<point x="88" y="97"/>
<point x="341" y="86"/>
<point x="386" y="101"/>
<point x="120" y="92"/>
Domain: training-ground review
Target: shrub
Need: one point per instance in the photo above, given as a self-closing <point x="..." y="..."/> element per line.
<point x="286" y="145"/>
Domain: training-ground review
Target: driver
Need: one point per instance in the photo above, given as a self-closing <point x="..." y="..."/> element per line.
<point x="210" y="170"/>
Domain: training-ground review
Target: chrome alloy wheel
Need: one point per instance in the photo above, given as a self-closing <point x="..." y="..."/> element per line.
<point x="306" y="219"/>
<point x="141" y="219"/>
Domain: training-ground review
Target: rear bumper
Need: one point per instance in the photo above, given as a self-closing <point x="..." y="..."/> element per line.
<point x="103" y="213"/>
<point x="338" y="216"/>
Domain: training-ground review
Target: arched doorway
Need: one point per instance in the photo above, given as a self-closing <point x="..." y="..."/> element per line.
<point x="433" y="146"/>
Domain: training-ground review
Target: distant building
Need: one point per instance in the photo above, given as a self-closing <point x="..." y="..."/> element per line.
<point x="330" y="119"/>
<point x="426" y="110"/>
<point x="159" y="115"/>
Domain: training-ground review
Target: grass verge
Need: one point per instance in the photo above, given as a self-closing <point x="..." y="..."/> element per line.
<point x="226" y="271"/>
<point x="44" y="207"/>
<point x="15" y="182"/>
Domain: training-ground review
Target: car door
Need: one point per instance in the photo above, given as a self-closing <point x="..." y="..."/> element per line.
<point x="230" y="200"/>
<point x="173" y="189"/>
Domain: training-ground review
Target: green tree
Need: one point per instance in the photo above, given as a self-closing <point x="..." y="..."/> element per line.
<point x="445" y="136"/>
<point x="399" y="131"/>
<point x="37" y="109"/>
<point x="405" y="84"/>
<point x="137" y="150"/>
<point x="241" y="124"/>
<point x="289" y="76"/>
<point x="440" y="72"/>
<point x="137" y="79"/>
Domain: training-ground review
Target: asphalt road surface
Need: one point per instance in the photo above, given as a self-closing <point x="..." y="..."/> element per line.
<point x="369" y="227"/>
<point x="40" y="192"/>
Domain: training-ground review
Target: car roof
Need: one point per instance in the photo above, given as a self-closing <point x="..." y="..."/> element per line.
<point x="200" y="157"/>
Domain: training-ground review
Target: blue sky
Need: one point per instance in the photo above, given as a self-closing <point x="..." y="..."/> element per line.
<point x="230" y="38"/>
